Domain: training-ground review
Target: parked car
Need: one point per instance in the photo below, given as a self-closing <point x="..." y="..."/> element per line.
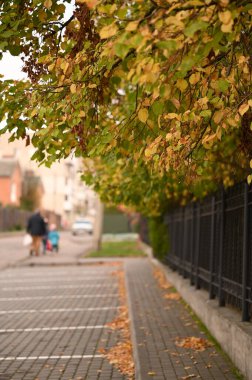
<point x="81" y="227"/>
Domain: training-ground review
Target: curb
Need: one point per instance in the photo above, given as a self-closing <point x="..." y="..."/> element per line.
<point x="133" y="332"/>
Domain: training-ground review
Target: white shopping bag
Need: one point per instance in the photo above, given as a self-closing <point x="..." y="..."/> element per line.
<point x="27" y="240"/>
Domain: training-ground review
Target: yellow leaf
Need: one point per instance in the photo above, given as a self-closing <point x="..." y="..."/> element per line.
<point x="171" y="116"/>
<point x="219" y="132"/>
<point x="34" y="112"/>
<point x="227" y="28"/>
<point x="182" y="84"/>
<point x="217" y="117"/>
<point x="243" y="108"/>
<point x="48" y="4"/>
<point x="82" y="114"/>
<point x="92" y="85"/>
<point x="132" y="26"/>
<point x="250" y="163"/>
<point x="227" y="21"/>
<point x="169" y="136"/>
<point x="225" y="17"/>
<point x="73" y="88"/>
<point x="194" y="78"/>
<point x="143" y="115"/>
<point x="249" y="179"/>
<point x="108" y="31"/>
<point x="250" y="102"/>
<point x="64" y="66"/>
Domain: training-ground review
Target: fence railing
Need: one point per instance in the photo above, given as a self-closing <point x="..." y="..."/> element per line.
<point x="211" y="244"/>
<point x="12" y="218"/>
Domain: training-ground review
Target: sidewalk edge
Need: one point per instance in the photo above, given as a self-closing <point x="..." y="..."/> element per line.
<point x="132" y="329"/>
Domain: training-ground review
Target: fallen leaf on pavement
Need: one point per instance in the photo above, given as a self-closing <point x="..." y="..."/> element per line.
<point x="197" y="344"/>
<point x="172" y="296"/>
<point x="188" y="377"/>
<point x="161" y="279"/>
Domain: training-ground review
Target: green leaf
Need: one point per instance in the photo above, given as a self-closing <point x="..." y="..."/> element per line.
<point x="121" y="50"/>
<point x="194" y="27"/>
<point x="15" y="50"/>
<point x="223" y="85"/>
<point x="168" y="44"/>
<point x="157" y="107"/>
<point x="206" y="113"/>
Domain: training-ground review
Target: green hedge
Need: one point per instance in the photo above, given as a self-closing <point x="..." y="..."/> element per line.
<point x="158" y="237"/>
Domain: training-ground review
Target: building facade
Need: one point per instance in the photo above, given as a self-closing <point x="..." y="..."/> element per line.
<point x="10" y="182"/>
<point x="64" y="192"/>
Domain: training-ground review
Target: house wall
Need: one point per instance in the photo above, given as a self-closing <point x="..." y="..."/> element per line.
<point x="5" y="190"/>
<point x="11" y="189"/>
<point x="16" y="187"/>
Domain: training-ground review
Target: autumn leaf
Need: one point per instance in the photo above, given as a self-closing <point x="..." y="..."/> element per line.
<point x="48" y="4"/>
<point x="73" y="88"/>
<point x="108" y="31"/>
<point x="143" y="115"/>
<point x="243" y="108"/>
<point x="172" y="296"/>
<point x="194" y="343"/>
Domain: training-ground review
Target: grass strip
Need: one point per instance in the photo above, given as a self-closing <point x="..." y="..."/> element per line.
<point x="118" y="249"/>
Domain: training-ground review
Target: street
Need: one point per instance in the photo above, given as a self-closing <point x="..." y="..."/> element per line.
<point x="12" y="249"/>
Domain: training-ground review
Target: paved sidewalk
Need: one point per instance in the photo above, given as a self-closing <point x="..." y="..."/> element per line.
<point x="158" y="323"/>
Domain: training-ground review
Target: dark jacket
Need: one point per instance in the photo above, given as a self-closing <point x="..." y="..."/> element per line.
<point x="36" y="225"/>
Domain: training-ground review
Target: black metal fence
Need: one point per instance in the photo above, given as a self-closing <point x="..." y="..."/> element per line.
<point x="211" y="243"/>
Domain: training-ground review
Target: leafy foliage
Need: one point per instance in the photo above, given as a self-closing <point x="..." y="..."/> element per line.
<point x="158" y="237"/>
<point x="156" y="92"/>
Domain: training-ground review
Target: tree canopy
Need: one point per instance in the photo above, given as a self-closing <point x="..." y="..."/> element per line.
<point x="157" y="93"/>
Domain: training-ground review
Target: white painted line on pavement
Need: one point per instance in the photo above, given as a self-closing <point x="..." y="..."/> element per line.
<point x="57" y="328"/>
<point x="58" y="310"/>
<point x="64" y="357"/>
<point x="52" y="279"/>
<point x="44" y="287"/>
<point x="52" y="273"/>
<point x="58" y="297"/>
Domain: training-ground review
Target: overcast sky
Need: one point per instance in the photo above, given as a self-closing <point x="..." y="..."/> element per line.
<point x="11" y="67"/>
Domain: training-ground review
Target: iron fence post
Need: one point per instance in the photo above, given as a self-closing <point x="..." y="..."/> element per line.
<point x="197" y="284"/>
<point x="192" y="243"/>
<point x="211" y="292"/>
<point x="221" y="249"/>
<point x="181" y="236"/>
<point x="245" y="312"/>
<point x="185" y="244"/>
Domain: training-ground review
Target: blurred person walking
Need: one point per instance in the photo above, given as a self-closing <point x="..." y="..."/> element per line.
<point x="36" y="227"/>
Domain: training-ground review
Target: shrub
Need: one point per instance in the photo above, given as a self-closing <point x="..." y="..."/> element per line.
<point x="159" y="239"/>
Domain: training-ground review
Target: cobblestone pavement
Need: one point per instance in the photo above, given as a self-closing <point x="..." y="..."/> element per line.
<point x="53" y="322"/>
<point x="158" y="323"/>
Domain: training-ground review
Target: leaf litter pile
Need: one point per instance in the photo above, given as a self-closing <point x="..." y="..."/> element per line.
<point x="197" y="344"/>
<point x="121" y="355"/>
